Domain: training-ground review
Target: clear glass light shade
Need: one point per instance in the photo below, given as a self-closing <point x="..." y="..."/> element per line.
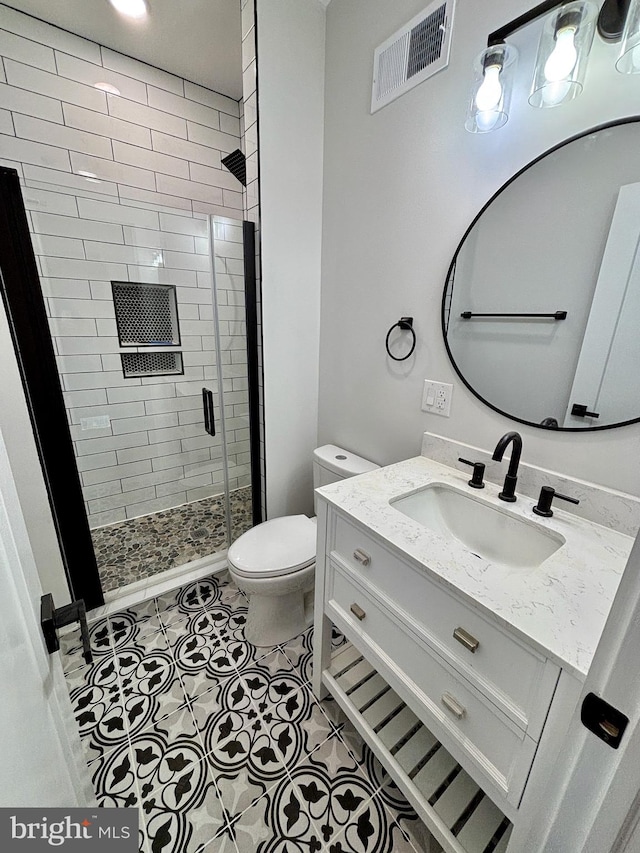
<point x="629" y="59"/>
<point x="491" y="90"/>
<point x="563" y="52"/>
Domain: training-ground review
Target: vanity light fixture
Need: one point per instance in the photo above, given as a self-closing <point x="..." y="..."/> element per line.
<point x="561" y="62"/>
<point x="491" y="90"/>
<point x="563" y="51"/>
<point x="629" y="59"/>
<point x="136" y="9"/>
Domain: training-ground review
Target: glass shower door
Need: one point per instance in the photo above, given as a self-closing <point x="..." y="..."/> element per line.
<point x="131" y="307"/>
<point x="227" y="245"/>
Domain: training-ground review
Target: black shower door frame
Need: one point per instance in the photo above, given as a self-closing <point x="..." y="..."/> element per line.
<point x="26" y="313"/>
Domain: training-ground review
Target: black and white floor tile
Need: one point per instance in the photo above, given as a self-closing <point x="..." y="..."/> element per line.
<point x="221" y="745"/>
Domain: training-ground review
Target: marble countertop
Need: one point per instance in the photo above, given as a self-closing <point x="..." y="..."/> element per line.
<point x="560" y="607"/>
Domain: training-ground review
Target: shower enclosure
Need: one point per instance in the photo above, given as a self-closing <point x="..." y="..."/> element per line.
<point x="146" y="310"/>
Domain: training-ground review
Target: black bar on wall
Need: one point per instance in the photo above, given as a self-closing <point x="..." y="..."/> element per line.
<point x="251" y="316"/>
<point x="24" y="304"/>
<point x="557" y="315"/>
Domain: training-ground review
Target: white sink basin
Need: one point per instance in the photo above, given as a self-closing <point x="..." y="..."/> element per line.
<point x="484" y="529"/>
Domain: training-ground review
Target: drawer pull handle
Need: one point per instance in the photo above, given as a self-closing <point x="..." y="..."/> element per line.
<point x="357" y="611"/>
<point x="361" y="557"/>
<point x="453" y="705"/>
<point x="466" y="639"/>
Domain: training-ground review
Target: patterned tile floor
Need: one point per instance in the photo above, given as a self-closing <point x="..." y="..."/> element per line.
<point x="222" y="745"/>
<point x="140" y="548"/>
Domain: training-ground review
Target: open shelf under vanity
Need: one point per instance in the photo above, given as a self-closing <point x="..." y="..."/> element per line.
<point x="453" y="807"/>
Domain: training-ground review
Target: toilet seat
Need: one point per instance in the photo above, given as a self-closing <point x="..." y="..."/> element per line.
<point x="275" y="548"/>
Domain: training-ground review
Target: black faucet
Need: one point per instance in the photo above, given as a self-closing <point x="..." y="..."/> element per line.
<point x="508" y="492"/>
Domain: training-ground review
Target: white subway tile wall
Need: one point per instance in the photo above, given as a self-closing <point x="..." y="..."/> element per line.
<point x="118" y="187"/>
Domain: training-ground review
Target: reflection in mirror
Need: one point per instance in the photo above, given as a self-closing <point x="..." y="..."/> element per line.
<point x="562" y="236"/>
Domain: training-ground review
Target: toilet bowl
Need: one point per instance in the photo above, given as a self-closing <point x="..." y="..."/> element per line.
<point x="274" y="563"/>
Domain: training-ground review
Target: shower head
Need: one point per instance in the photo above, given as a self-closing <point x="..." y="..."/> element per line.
<point x="236" y="164"/>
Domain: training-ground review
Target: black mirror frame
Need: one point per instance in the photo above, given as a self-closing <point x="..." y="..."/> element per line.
<point x="597" y="129"/>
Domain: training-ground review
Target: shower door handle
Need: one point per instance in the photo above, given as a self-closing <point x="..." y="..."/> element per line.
<point x="207" y="405"/>
<point x="212" y="419"/>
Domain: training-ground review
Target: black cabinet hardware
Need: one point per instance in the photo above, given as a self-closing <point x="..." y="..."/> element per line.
<point x="580" y="411"/>
<point x="547" y="494"/>
<point x="52" y="618"/>
<point x="476" y="481"/>
<point x="557" y="315"/>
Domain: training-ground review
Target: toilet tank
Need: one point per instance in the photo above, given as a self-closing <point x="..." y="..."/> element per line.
<point x="331" y="463"/>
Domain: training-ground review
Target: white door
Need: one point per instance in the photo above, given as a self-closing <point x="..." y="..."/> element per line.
<point x="604" y="381"/>
<point x="41" y="756"/>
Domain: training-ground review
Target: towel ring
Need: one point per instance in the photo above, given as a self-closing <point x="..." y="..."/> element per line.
<point x="406" y="324"/>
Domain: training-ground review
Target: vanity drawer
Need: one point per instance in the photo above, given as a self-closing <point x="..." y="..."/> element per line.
<point x="474" y="730"/>
<point x="517" y="678"/>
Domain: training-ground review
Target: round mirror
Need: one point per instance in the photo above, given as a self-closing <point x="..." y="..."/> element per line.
<point x="541" y="307"/>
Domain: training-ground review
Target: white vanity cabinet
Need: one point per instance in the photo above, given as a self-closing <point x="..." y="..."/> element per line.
<point x="451" y="702"/>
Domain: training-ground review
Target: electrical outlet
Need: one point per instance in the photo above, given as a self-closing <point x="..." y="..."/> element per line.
<point x="436" y="397"/>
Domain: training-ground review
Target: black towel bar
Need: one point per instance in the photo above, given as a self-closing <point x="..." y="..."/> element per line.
<point x="557" y="315"/>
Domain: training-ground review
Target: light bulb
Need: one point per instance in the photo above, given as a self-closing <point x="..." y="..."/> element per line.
<point x="562" y="59"/>
<point x="489" y="94"/>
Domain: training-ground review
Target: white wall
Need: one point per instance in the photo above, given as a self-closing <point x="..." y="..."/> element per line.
<point x="400" y="189"/>
<point x="290" y="96"/>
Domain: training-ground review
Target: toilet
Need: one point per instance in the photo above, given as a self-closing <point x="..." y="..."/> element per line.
<point x="274" y="563"/>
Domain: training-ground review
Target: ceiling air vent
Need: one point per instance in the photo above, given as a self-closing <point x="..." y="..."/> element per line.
<point x="415" y="52"/>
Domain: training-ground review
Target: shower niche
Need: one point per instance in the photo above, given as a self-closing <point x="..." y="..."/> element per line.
<point x="146" y="314"/>
<point x="138" y="364"/>
<point x="147" y="318"/>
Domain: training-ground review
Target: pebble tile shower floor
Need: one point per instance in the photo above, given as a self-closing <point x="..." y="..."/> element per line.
<point x="142" y="547"/>
<point x="222" y="745"/>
